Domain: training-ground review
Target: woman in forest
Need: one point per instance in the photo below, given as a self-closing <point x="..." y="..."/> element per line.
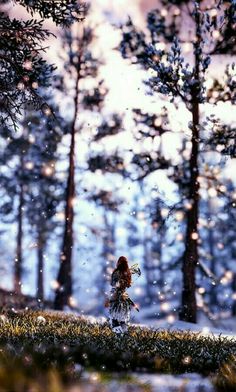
<point x="120" y="304"/>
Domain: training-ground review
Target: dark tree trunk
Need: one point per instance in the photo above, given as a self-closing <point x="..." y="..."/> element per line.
<point x="190" y="260"/>
<point x="148" y="268"/>
<point x="188" y="311"/>
<point x="40" y="268"/>
<point x="18" y="257"/>
<point x="233" y="286"/>
<point x="64" y="279"/>
<point x="155" y="279"/>
<point x="108" y="252"/>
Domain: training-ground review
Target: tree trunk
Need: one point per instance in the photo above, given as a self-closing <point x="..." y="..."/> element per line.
<point x="108" y="251"/>
<point x="18" y="257"/>
<point x="153" y="271"/>
<point x="190" y="260"/>
<point x="64" y="279"/>
<point x="148" y="268"/>
<point x="188" y="311"/>
<point x="40" y="268"/>
<point x="211" y="240"/>
<point x="233" y="286"/>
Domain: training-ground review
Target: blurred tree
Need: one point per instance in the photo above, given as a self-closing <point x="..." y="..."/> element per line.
<point x="152" y="127"/>
<point x="80" y="67"/>
<point x="156" y="267"/>
<point x="22" y="44"/>
<point x="161" y="50"/>
<point x="222" y="136"/>
<point x="111" y="163"/>
<point x="226" y="249"/>
<point x="30" y="189"/>
<point x="107" y="163"/>
<point x="108" y="127"/>
<point x="111" y="206"/>
<point x="45" y="191"/>
<point x="14" y="181"/>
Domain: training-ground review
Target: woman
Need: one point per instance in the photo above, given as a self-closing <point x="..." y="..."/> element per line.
<point x="120" y="304"/>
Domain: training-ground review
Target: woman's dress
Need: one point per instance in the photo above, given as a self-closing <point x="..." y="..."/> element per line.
<point x="120" y="304"/>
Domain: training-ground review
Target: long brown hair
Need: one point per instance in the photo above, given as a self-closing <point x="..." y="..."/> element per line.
<point x="123" y="267"/>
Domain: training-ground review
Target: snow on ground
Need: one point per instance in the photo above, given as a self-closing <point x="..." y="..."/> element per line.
<point x="184" y="326"/>
<point x="191" y="382"/>
<point x="188" y="383"/>
<point x="224" y="327"/>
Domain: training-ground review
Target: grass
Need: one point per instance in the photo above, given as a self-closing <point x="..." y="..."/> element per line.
<point x="55" y="342"/>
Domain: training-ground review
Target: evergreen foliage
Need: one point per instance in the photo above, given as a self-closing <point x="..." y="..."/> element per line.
<point x="23" y="70"/>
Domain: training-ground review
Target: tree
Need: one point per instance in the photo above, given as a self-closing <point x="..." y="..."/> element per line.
<point x="80" y="66"/>
<point x="108" y="201"/>
<point x="14" y="180"/>
<point x="30" y="189"/>
<point x="44" y="191"/>
<point x="23" y="71"/>
<point x="151" y="126"/>
<point x="110" y="205"/>
<point x="225" y="248"/>
<point x="161" y="51"/>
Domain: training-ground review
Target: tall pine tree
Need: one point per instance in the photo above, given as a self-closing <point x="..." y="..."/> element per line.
<point x="161" y="50"/>
<point x="81" y="67"/>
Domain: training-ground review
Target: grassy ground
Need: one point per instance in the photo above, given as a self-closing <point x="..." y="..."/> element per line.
<point x="53" y="343"/>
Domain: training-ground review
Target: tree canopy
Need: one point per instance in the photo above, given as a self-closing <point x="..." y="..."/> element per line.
<point x="23" y="69"/>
